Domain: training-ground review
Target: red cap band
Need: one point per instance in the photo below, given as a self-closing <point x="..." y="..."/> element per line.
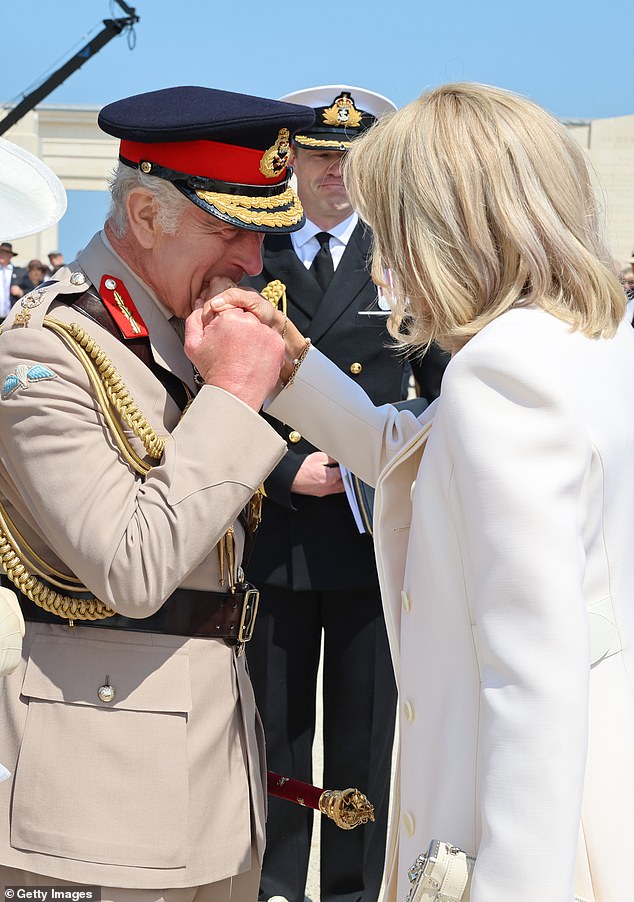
<point x="206" y="159"/>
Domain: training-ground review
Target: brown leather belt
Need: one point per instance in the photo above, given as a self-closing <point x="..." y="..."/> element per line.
<point x="188" y="612"/>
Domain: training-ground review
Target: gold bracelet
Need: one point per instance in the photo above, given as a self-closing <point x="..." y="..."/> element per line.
<point x="297" y="362"/>
<point x="284" y="327"/>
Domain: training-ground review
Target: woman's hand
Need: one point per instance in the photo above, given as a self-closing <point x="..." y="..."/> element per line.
<point x="224" y="296"/>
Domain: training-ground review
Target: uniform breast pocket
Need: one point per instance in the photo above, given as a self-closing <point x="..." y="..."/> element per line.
<point x="102" y="776"/>
<point x="373" y="318"/>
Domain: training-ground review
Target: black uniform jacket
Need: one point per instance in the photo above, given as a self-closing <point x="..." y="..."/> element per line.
<point x="306" y="542"/>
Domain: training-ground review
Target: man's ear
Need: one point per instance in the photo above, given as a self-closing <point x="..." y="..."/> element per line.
<point x="142" y="216"/>
<point x="291" y="156"/>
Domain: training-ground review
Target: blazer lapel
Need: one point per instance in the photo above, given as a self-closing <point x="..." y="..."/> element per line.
<point x="392" y="517"/>
<point x="353" y="273"/>
<point x="281" y="261"/>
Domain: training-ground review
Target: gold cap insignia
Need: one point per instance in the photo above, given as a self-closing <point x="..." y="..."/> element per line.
<point x="275" y="159"/>
<point x="343" y="112"/>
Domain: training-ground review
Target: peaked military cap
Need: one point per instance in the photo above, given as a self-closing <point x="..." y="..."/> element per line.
<point x="341" y="114"/>
<point x="226" y="152"/>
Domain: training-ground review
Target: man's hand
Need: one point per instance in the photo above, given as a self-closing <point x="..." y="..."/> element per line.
<point x="250" y="301"/>
<point x="235" y="352"/>
<point x="224" y="295"/>
<point x="15" y="291"/>
<point x="319" y="475"/>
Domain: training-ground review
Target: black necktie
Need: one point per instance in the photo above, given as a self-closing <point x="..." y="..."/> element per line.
<point x="322" y="267"/>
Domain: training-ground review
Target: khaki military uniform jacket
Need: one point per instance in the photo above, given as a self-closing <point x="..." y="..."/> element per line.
<point x="163" y="787"/>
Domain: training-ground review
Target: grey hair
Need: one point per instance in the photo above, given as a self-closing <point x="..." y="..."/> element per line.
<point x="170" y="203"/>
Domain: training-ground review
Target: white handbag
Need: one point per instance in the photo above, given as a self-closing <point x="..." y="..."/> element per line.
<point x="11" y="632"/>
<point x="443" y="874"/>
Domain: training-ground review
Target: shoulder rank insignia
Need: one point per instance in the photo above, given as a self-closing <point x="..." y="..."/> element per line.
<point x="23" y="376"/>
<point x="275" y="159"/>
<point x="117" y="299"/>
<point x="343" y="112"/>
<point x="27" y="303"/>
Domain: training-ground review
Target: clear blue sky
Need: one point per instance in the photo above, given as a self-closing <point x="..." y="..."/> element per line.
<point x="573" y="58"/>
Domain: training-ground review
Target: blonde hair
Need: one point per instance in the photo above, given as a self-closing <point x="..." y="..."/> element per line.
<point x="480" y="200"/>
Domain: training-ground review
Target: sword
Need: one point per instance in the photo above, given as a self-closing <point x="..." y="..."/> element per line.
<point x="346" y="807"/>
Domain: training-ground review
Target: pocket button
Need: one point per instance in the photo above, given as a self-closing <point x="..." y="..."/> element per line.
<point x="106" y="693"/>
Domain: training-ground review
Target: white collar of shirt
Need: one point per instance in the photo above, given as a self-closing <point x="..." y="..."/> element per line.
<point x="306" y="245"/>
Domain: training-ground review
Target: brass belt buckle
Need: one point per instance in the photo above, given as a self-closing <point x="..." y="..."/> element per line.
<point x="248" y="616"/>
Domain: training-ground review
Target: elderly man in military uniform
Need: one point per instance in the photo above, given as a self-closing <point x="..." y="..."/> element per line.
<point x="317" y="571"/>
<point x="129" y="466"/>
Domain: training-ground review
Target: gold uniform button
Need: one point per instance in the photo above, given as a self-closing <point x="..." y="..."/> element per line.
<point x="409" y="823"/>
<point x="406" y="602"/>
<point x="355" y="368"/>
<point x="408" y="711"/>
<point x="295" y="437"/>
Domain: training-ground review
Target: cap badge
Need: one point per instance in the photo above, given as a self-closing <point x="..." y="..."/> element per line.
<point x="343" y="112"/>
<point x="275" y="159"/>
<point x="27" y="303"/>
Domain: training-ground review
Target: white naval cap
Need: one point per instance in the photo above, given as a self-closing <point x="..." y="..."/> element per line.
<point x="342" y="112"/>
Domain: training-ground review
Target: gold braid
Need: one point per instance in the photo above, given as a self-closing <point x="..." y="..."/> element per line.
<point x="275" y="293"/>
<point x="20" y="562"/>
<point x="111" y="393"/>
<point x="21" y="571"/>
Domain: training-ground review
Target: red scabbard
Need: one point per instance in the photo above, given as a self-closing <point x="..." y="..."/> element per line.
<point x="293" y="790"/>
<point x="346" y="807"/>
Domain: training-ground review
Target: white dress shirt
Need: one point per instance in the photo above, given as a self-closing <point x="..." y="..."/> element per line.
<point x="306" y="245"/>
<point x="5" y="289"/>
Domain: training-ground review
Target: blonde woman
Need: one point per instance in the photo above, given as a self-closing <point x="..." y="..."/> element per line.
<point x="504" y="516"/>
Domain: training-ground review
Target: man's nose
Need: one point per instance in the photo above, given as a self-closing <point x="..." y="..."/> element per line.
<point x="335" y="167"/>
<point x="250" y="252"/>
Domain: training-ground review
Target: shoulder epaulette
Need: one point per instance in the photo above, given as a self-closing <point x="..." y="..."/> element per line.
<point x="35" y="304"/>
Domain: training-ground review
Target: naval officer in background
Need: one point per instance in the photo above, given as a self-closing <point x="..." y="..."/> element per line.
<point x="316" y="570"/>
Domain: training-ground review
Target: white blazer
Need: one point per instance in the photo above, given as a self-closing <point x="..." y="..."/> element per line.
<point x="491" y="551"/>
